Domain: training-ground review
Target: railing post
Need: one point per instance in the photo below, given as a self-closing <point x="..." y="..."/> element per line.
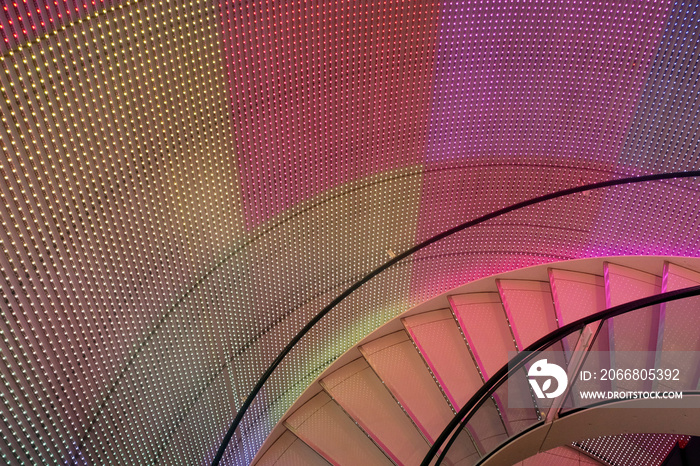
<point x="578" y="356"/>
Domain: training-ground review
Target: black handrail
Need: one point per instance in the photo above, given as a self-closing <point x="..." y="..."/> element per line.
<point x="536" y="200"/>
<point x="489" y="388"/>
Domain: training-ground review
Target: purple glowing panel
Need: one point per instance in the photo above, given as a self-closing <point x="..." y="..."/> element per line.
<point x="324" y="93"/>
<point x="527" y="99"/>
<point x="557" y="79"/>
<point x="663" y="133"/>
<point x="663" y="137"/>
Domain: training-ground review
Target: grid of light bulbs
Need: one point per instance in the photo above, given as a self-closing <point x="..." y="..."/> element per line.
<point x="151" y="269"/>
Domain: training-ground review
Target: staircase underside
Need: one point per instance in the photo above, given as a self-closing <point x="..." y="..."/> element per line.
<point x="387" y="399"/>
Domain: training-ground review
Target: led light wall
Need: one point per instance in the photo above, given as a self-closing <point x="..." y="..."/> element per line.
<point x="186" y="183"/>
<point x="641" y="449"/>
<point x="360" y="76"/>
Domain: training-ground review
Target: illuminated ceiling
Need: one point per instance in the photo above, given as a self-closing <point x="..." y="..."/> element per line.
<point x="187" y="183"/>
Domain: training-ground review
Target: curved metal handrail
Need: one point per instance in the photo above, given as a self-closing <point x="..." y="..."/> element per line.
<point x="536" y="200"/>
<point x="501" y="376"/>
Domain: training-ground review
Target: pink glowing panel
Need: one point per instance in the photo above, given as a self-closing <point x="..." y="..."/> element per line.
<point x="323" y="425"/>
<point x="634" y="332"/>
<point x="438" y="339"/>
<point x="482" y="185"/>
<point x="396" y="361"/>
<point x="290" y="451"/>
<point x="364" y="397"/>
<point x="324" y="93"/>
<point x="484" y="323"/>
<point x="530" y="309"/>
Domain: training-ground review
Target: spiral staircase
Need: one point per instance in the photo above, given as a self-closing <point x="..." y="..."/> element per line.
<point x="387" y="399"/>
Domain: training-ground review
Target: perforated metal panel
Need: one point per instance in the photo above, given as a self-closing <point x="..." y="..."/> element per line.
<point x="185" y="184"/>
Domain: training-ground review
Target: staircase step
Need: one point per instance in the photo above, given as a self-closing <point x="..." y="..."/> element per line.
<point x="635" y="333"/>
<point x="679" y="321"/>
<point x="578" y="295"/>
<point x="486" y="427"/>
<point x="676" y="277"/>
<point x="439" y="340"/>
<point x="624" y="284"/>
<point x="483" y="321"/>
<point x="289" y="450"/>
<point x="560" y="456"/>
<point x="363" y="396"/>
<point x="484" y="324"/>
<point x="396" y="361"/>
<point x="462" y="452"/>
<point x="530" y="309"/>
<point x="323" y="425"/>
